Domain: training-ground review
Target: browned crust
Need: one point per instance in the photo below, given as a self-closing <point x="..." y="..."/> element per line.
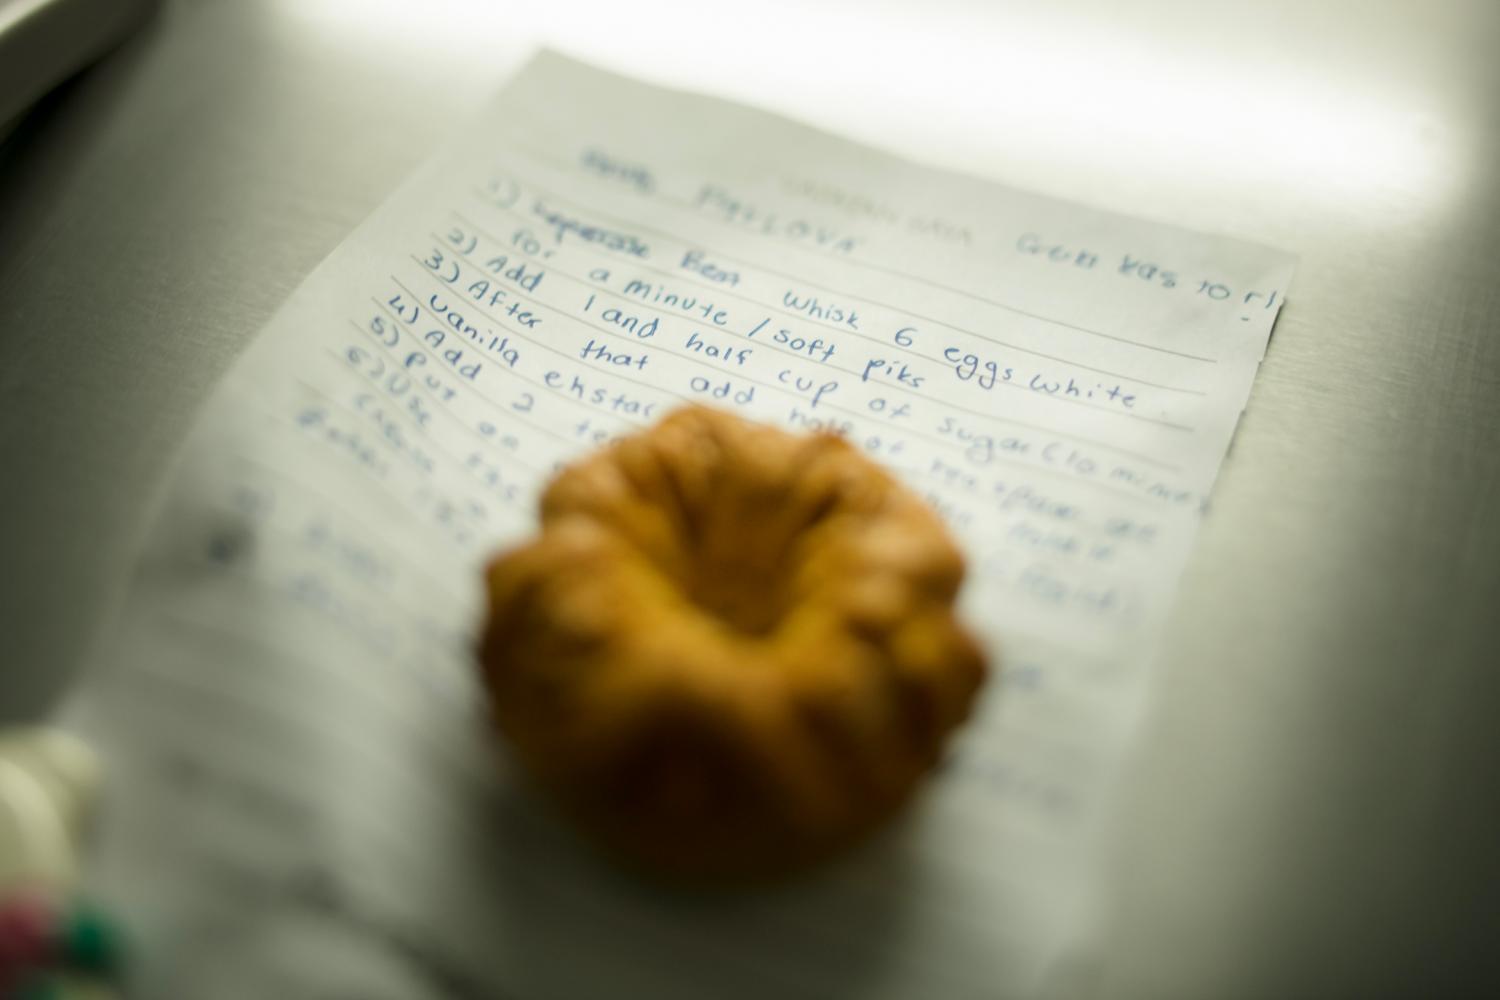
<point x="731" y="649"/>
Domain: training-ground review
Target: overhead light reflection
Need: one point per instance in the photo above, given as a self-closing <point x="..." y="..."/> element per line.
<point x="963" y="83"/>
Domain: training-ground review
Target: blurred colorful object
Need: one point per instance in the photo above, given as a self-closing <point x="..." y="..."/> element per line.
<point x="51" y="944"/>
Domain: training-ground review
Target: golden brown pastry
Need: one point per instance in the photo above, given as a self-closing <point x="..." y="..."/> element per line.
<point x="731" y="649"/>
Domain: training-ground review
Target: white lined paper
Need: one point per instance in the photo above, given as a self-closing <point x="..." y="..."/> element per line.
<point x="293" y="717"/>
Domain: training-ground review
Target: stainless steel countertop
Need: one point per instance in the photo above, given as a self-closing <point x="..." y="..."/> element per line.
<point x="1312" y="810"/>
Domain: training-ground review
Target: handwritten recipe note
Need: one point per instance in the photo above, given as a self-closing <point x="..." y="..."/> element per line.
<point x="306" y="802"/>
